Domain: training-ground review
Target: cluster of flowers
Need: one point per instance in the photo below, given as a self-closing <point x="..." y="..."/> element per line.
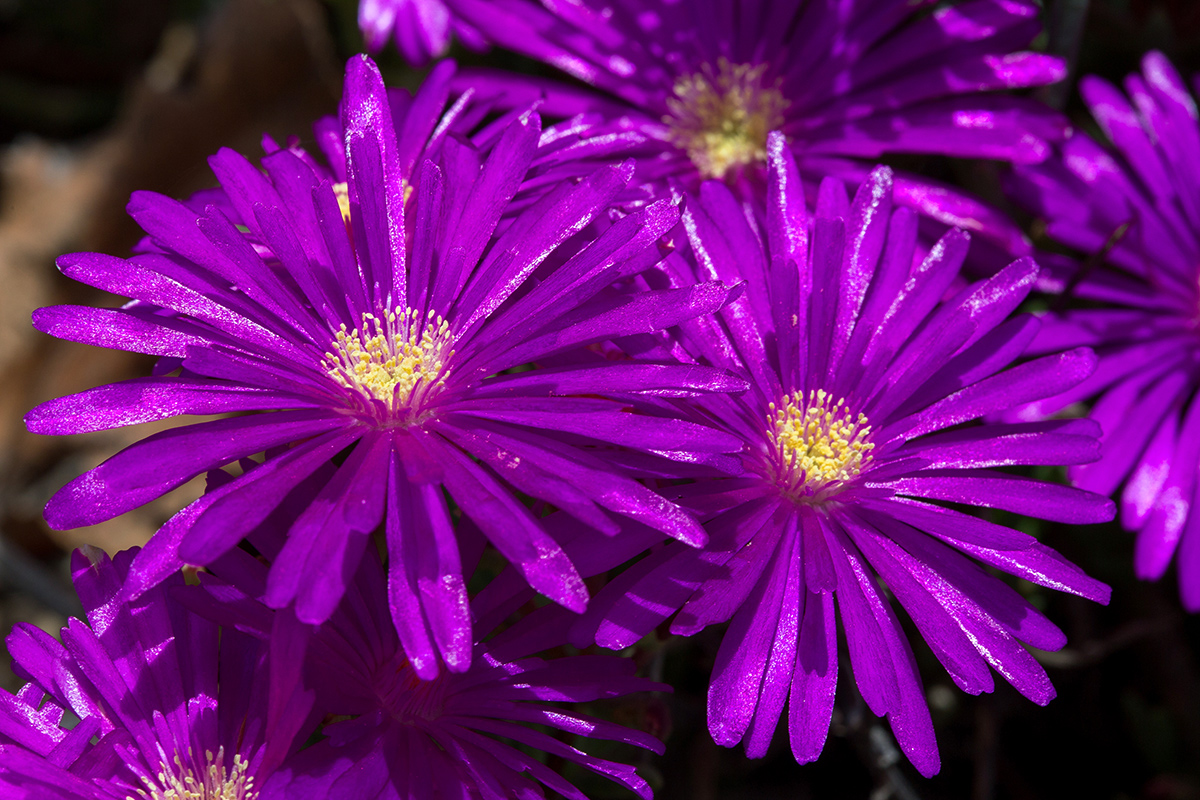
<point x="688" y="331"/>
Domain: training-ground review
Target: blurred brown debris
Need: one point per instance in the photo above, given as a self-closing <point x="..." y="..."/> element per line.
<point x="247" y="68"/>
<point x="1183" y="16"/>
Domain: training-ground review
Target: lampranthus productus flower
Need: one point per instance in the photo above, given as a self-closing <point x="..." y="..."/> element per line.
<point x="381" y="330"/>
<point x="860" y="424"/>
<point x="389" y="733"/>
<point x="706" y="80"/>
<point x="169" y="705"/>
<point x="1132" y="207"/>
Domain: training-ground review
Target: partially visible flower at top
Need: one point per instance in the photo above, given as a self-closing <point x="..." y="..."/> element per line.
<point x="169" y="705"/>
<point x="421" y="28"/>
<point x="385" y="331"/>
<point x="395" y="734"/>
<point x="706" y="80"/>
<point x="420" y="123"/>
<point x="1134" y="208"/>
<point x="867" y="387"/>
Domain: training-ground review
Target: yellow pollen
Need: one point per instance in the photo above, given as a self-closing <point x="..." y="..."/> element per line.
<point x="215" y="783"/>
<point x="399" y="359"/>
<point x="722" y="119"/>
<point x="342" y="192"/>
<point x="817" y="443"/>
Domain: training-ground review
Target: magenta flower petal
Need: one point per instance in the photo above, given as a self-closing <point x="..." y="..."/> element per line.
<point x="165" y="460"/>
<point x="145" y="399"/>
<point x="814" y="682"/>
<point x="116" y="328"/>
<point x="421" y="29"/>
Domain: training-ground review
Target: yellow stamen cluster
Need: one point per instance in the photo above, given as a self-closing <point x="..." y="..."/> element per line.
<point x="722" y="118"/>
<point x="214" y="783"/>
<point x="398" y="359"/>
<point x="818" y="443"/>
<point x="342" y="192"/>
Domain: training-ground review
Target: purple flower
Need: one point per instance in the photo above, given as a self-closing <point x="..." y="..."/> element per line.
<point x="421" y="28"/>
<point x="399" y="735"/>
<point x="1134" y="208"/>
<point x="380" y="321"/>
<point x="860" y="424"/>
<point x="167" y="702"/>
<point x="706" y="80"/>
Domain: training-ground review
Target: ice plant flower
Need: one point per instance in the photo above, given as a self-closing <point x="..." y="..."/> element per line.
<point x="1132" y="207"/>
<point x="395" y="734"/>
<point x="862" y="421"/>
<point x="380" y="331"/>
<point x="706" y="80"/>
<point x="169" y="705"/>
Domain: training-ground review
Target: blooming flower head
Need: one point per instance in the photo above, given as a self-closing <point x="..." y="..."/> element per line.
<point x="867" y="384"/>
<point x="708" y="79"/>
<point x="1133" y="207"/>
<point x="398" y="735"/>
<point x="170" y="706"/>
<point x="378" y="328"/>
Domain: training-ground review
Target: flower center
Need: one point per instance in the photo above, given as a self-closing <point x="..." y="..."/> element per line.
<point x="818" y="445"/>
<point x="405" y="695"/>
<point x="722" y="118"/>
<point x="214" y="783"/>
<point x="399" y="360"/>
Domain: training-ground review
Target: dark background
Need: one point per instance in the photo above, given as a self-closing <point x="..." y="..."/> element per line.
<point x="101" y="97"/>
